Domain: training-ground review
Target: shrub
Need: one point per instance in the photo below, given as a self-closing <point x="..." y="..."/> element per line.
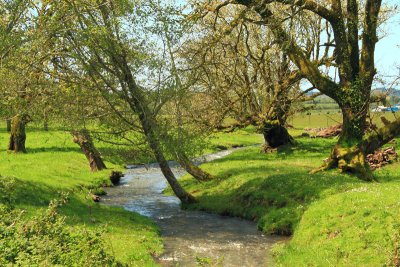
<point x="45" y="239"/>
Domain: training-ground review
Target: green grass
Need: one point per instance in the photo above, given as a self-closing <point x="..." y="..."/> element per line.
<point x="272" y="189"/>
<point x="55" y="164"/>
<point x="334" y="219"/>
<point x="240" y="137"/>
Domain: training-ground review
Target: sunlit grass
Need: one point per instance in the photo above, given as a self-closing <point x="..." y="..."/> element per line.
<point x="54" y="164"/>
<point x="335" y="219"/>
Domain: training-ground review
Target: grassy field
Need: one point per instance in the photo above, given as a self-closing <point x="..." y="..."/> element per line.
<point x="334" y="219"/>
<point x="320" y="119"/>
<point x="240" y="137"/>
<point x="55" y="164"/>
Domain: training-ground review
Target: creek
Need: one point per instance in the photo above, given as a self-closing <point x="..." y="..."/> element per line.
<point x="190" y="237"/>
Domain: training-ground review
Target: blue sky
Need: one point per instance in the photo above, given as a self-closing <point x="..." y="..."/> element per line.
<point x="387" y="53"/>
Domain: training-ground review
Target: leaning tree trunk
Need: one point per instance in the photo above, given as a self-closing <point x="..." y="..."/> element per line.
<point x="83" y="139"/>
<point x="148" y="128"/>
<point x="192" y="169"/>
<point x="138" y="105"/>
<point x="135" y="98"/>
<point x="18" y="134"/>
<point x="8" y="124"/>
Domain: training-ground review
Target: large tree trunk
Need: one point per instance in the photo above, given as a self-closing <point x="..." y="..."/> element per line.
<point x="354" y="123"/>
<point x="8" y="124"/>
<point x="353" y="158"/>
<point x="347" y="155"/>
<point x="83" y="139"/>
<point x="275" y="134"/>
<point x="273" y="125"/>
<point x="192" y="169"/>
<point x="18" y="134"/>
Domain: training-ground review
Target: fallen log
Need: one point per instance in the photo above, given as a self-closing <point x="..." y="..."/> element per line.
<point x="331" y="131"/>
<point x="381" y="158"/>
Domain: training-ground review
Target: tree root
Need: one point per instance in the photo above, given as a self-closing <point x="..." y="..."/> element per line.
<point x="348" y="160"/>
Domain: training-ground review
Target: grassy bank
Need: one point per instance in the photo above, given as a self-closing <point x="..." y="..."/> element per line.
<point x="55" y="164"/>
<point x="334" y="219"/>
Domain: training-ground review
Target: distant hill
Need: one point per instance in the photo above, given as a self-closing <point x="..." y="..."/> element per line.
<point x="392" y="92"/>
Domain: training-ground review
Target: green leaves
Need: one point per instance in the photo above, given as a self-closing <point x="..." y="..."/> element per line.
<point x="45" y="239"/>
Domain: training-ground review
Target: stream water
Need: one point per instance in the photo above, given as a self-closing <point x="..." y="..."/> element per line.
<point x="190" y="236"/>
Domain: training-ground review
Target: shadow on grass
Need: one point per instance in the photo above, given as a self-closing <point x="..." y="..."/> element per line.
<point x="53" y="149"/>
<point x="80" y="208"/>
<point x="33" y="194"/>
<point x="275" y="189"/>
<point x="278" y="201"/>
<point x="129" y="156"/>
<point x="307" y="145"/>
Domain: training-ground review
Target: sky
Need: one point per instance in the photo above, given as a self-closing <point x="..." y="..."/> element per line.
<point x="387" y="52"/>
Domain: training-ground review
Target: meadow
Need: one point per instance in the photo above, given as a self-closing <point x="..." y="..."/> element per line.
<point x="54" y="164"/>
<point x="333" y="219"/>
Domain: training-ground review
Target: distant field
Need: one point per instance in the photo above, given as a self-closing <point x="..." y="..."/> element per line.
<point x="323" y="106"/>
<point x="326" y="119"/>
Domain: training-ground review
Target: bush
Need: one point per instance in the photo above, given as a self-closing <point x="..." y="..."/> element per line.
<point x="46" y="240"/>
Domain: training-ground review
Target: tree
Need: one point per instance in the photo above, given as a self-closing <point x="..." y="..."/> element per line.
<point x="244" y="73"/>
<point x="171" y="27"/>
<point x="107" y="42"/>
<point x="84" y="140"/>
<point x="23" y="86"/>
<point x="18" y="134"/>
<point x="353" y="23"/>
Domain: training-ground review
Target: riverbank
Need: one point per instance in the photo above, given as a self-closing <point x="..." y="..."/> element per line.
<point x="191" y="238"/>
<point x="275" y="190"/>
<point x="54" y="164"/>
<point x="334" y="219"/>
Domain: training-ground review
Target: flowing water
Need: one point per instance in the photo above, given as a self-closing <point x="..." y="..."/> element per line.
<point x="190" y="237"/>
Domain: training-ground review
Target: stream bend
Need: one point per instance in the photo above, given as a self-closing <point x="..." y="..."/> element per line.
<point x="190" y="236"/>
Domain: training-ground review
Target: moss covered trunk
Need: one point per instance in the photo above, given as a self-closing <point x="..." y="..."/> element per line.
<point x="349" y="154"/>
<point x="18" y="133"/>
<point x="85" y="142"/>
